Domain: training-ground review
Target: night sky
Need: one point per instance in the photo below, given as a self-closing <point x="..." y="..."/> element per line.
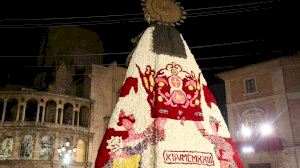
<point x="223" y="35"/>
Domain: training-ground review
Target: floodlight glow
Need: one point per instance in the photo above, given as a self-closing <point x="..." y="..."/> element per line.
<point x="247" y="149"/>
<point x="74" y="149"/>
<point x="246" y="131"/>
<point x="63" y="149"/>
<point x="59" y="150"/>
<point x="67" y="158"/>
<point x="266" y="129"/>
<point x="67" y="144"/>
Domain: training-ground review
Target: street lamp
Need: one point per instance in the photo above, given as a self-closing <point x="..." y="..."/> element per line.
<point x="246" y="131"/>
<point x="266" y="129"/>
<point x="248" y="149"/>
<point x="66" y="154"/>
<point x="255" y="130"/>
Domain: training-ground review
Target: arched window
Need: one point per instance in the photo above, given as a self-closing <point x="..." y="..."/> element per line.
<point x="84" y="116"/>
<point x="50" y="111"/>
<point x="6" y="147"/>
<point x="68" y="112"/>
<point x="46" y="150"/>
<point x="81" y="151"/>
<point x="31" y="109"/>
<point x="252" y="119"/>
<point x="27" y="147"/>
<point x="11" y="109"/>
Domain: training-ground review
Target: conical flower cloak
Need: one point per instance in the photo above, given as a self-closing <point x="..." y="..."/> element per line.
<point x="166" y="115"/>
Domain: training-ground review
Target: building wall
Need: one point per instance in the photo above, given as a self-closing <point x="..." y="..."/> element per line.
<point x="291" y="72"/>
<point x="276" y="100"/>
<point x="77" y="75"/>
<point x="63" y="82"/>
<point x="12" y="154"/>
<point x="294" y="106"/>
<point x="105" y="84"/>
<point x="263" y="83"/>
<point x="101" y="85"/>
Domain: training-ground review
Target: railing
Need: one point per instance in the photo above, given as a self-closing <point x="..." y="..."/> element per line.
<point x="40" y="101"/>
<point x="44" y="125"/>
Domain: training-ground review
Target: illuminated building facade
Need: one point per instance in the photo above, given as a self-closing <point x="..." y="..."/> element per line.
<point x="73" y="108"/>
<point x="263" y="104"/>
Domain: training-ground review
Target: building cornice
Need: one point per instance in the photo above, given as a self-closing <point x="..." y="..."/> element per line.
<point x="280" y="95"/>
<point x="42" y="94"/>
<point x="267" y="66"/>
<point x="290" y="95"/>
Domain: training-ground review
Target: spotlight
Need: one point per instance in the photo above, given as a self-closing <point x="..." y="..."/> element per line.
<point x="266" y="129"/>
<point x="247" y="149"/>
<point x="246" y="131"/>
<point x="67" y="158"/>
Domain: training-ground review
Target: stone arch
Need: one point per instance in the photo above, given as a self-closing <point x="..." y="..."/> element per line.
<point x="252" y="118"/>
<point x="251" y="111"/>
<point x="11" y="109"/>
<point x="68" y="112"/>
<point x="27" y="147"/>
<point x="84" y="116"/>
<point x="50" y="111"/>
<point x="31" y="110"/>
<point x="1" y="107"/>
<point x="46" y="150"/>
<point x="81" y="149"/>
